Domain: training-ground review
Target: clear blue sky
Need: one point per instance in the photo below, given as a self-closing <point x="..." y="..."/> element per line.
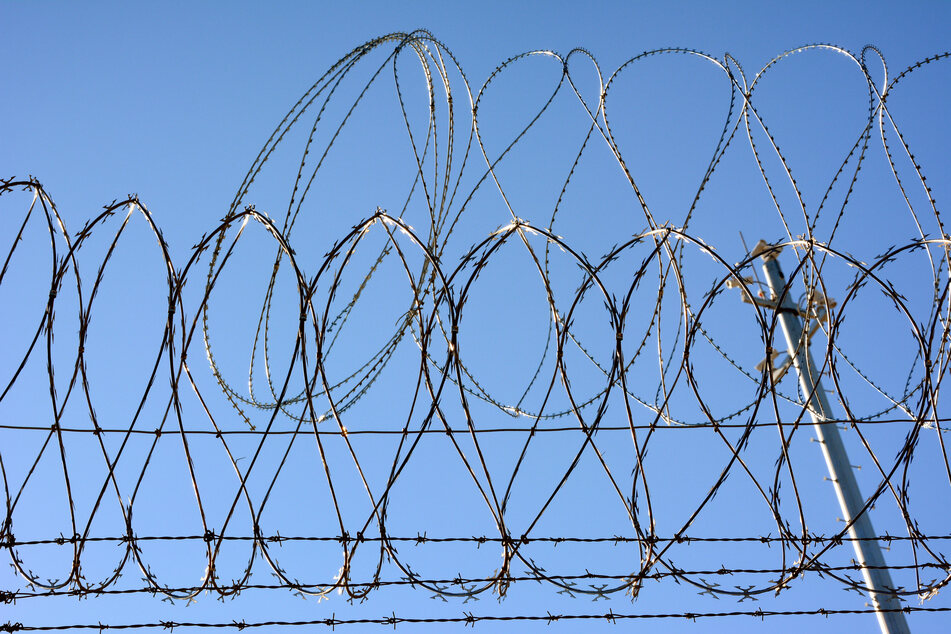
<point x="174" y="101"/>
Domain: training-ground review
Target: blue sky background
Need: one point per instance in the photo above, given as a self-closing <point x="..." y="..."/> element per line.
<point x="173" y="102"/>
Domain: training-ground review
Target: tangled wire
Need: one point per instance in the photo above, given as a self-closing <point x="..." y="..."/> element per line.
<point x="634" y="343"/>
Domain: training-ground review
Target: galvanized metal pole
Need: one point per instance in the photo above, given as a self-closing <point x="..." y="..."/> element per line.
<point x="868" y="553"/>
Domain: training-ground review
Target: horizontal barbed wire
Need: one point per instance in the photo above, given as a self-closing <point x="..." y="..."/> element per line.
<point x="467" y="618"/>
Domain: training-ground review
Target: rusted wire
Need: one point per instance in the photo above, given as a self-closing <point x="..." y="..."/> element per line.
<point x="301" y="400"/>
